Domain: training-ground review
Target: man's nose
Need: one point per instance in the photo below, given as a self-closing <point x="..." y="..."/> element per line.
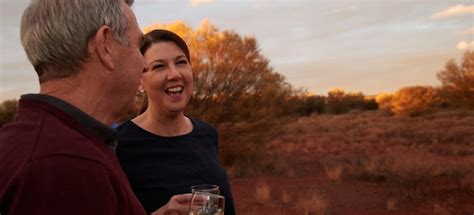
<point x="145" y="66"/>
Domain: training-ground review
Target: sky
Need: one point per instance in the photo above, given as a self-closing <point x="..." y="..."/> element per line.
<point x="369" y="46"/>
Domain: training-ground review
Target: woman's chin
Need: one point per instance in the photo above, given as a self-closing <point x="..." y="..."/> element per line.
<point x="175" y="110"/>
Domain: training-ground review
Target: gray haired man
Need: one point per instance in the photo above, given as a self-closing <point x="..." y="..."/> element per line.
<point x="57" y="155"/>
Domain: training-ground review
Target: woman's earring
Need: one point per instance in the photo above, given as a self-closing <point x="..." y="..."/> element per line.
<point x="140" y="93"/>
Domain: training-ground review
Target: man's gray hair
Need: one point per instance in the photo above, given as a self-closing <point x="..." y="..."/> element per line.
<point x="55" y="33"/>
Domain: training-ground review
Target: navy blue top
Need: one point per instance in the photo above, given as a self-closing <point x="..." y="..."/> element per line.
<point x="159" y="167"/>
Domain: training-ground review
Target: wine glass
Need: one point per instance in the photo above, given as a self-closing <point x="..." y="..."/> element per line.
<point x="206" y="204"/>
<point x="206" y="188"/>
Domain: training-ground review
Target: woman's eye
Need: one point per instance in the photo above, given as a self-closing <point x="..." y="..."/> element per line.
<point x="159" y="66"/>
<point x="182" y="62"/>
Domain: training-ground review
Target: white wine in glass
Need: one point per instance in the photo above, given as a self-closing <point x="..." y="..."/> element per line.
<point x="206" y="204"/>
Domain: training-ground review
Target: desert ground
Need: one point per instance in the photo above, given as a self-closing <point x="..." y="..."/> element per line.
<point x="363" y="163"/>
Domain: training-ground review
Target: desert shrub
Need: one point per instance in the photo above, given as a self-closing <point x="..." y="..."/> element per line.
<point x="384" y="101"/>
<point x="335" y="102"/>
<point x="413" y="101"/>
<point x="242" y="145"/>
<point x="304" y="105"/>
<point x="285" y="197"/>
<point x="392" y="204"/>
<point x="411" y="170"/>
<point x="370" y="104"/>
<point x="312" y="204"/>
<point x="276" y="164"/>
<point x="262" y="192"/>
<point x="334" y="172"/>
<point x="370" y="168"/>
<point x="441" y="209"/>
<point x="7" y="111"/>
<point x="338" y="102"/>
<point x="458" y="81"/>
<point x="312" y="104"/>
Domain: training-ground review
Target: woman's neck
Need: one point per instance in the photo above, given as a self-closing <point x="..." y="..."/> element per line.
<point x="164" y="125"/>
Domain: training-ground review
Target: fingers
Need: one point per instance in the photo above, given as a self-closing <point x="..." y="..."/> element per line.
<point x="180" y="210"/>
<point x="182" y="198"/>
<point x="177" y="205"/>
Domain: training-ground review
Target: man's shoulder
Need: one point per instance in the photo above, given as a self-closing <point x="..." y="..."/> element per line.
<point x="49" y="145"/>
<point x="41" y="134"/>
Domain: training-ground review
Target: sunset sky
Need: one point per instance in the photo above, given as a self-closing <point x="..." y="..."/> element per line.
<point x="371" y="46"/>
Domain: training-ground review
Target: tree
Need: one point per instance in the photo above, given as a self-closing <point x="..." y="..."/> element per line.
<point x="412" y="101"/>
<point x="233" y="81"/>
<point x="458" y="81"/>
<point x="7" y="111"/>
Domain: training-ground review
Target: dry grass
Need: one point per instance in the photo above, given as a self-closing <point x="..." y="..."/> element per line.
<point x="231" y="171"/>
<point x="262" y="192"/>
<point x="334" y="172"/>
<point x="441" y="210"/>
<point x="378" y="132"/>
<point x="418" y="159"/>
<point x="414" y="154"/>
<point x="392" y="204"/>
<point x="313" y="204"/>
<point x="285" y="197"/>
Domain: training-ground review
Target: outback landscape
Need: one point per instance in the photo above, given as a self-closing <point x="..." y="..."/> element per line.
<point x="365" y="163"/>
<point x="289" y="151"/>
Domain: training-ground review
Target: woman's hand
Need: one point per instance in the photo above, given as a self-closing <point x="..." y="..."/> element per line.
<point x="178" y="205"/>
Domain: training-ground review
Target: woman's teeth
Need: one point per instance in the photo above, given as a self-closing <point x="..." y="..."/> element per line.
<point x="174" y="89"/>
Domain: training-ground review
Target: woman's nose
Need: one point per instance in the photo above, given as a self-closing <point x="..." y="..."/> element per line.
<point x="173" y="73"/>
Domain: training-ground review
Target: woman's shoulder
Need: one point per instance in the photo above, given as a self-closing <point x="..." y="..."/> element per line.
<point x="127" y="125"/>
<point x="127" y="128"/>
<point x="200" y="125"/>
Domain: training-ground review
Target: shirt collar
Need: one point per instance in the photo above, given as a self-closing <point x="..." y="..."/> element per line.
<point x="99" y="129"/>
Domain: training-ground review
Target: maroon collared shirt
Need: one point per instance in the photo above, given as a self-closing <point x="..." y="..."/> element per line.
<point x="55" y="159"/>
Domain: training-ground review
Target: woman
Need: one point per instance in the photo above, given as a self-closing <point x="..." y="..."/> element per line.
<point x="162" y="151"/>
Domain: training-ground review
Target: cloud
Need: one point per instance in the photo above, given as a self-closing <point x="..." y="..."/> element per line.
<point x="457" y="10"/>
<point x="199" y="2"/>
<point x="343" y="10"/>
<point x="465" y="45"/>
<point x="469" y="31"/>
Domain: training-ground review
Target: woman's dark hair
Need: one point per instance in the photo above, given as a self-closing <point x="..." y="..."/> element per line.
<point x="160" y="35"/>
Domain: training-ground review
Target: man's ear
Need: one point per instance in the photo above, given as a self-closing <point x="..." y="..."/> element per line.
<point x="103" y="43"/>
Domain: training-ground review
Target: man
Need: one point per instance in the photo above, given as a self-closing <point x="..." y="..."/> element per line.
<point x="57" y="155"/>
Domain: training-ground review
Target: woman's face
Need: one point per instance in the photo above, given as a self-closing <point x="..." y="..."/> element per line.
<point x="169" y="79"/>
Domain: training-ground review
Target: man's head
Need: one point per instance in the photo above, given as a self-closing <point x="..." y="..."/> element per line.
<point x="56" y="33"/>
<point x="86" y="52"/>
